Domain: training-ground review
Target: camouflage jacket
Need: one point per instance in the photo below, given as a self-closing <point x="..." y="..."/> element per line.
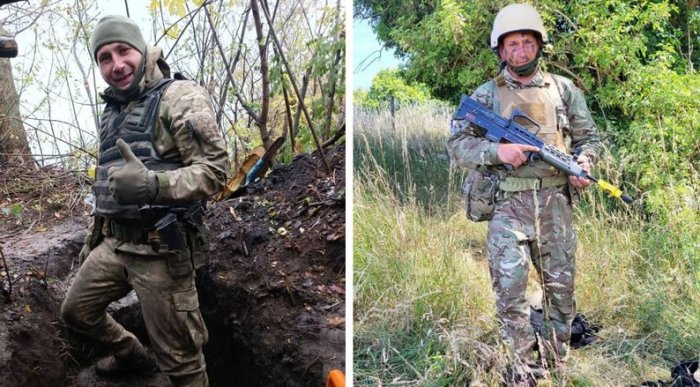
<point x="468" y="148"/>
<point x="199" y="143"/>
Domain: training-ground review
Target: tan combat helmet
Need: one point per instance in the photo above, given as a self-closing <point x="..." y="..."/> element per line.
<point x="517" y="17"/>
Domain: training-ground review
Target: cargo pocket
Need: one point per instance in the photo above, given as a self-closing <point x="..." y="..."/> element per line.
<point x="186" y="304"/>
<point x="199" y="245"/>
<point x="179" y="263"/>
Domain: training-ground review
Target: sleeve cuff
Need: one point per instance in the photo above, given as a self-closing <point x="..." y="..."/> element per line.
<point x="162" y="184"/>
<point x="492" y="153"/>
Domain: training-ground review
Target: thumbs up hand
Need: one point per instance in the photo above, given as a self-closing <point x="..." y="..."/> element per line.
<point x="132" y="183"/>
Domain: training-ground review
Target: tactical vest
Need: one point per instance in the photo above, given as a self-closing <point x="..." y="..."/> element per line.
<point x="543" y="104"/>
<point x="135" y="125"/>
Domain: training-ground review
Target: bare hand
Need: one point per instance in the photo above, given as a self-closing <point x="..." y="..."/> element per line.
<point x="581" y="182"/>
<point x="514" y="154"/>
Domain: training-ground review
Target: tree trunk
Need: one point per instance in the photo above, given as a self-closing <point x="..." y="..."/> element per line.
<point x="332" y="78"/>
<point x="265" y="73"/>
<point x="13" y="138"/>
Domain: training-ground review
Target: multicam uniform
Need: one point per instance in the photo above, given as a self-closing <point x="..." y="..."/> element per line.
<point x="533" y="214"/>
<point x="190" y="160"/>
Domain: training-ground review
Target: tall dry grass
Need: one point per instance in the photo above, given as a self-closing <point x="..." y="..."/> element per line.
<point x="424" y="309"/>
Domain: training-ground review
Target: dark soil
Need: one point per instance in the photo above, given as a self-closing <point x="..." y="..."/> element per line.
<point x="273" y="296"/>
<point x="278" y="270"/>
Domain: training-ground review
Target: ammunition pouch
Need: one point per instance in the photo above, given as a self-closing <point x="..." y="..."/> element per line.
<point x="128" y="232"/>
<point x="479" y="190"/>
<point x="169" y="232"/>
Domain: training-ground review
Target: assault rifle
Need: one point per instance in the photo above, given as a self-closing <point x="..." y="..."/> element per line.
<point x="499" y="129"/>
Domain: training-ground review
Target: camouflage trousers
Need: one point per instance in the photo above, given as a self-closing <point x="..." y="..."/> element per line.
<point x="534" y="226"/>
<point x="170" y="310"/>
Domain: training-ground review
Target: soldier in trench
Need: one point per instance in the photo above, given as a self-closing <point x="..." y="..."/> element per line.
<point x="531" y="217"/>
<point x="160" y="157"/>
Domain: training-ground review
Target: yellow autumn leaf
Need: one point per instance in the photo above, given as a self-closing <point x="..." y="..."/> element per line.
<point x="155" y="4"/>
<point x="173" y="32"/>
<point x="91" y="172"/>
<point x="40" y="229"/>
<point x="181" y="12"/>
<point x="177" y="7"/>
<point x="198" y="3"/>
<point x="27" y="308"/>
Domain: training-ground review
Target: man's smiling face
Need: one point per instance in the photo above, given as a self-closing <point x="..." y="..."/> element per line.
<point x="118" y="63"/>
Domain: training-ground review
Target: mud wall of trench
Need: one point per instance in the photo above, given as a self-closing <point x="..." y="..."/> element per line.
<point x="258" y="335"/>
<point x="272" y="297"/>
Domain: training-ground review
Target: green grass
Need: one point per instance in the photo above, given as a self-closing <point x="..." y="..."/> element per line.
<point x="423" y="304"/>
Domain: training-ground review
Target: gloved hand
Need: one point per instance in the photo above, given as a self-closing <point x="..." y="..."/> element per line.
<point x="133" y="183"/>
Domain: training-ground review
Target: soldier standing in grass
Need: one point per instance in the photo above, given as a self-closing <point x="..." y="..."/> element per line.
<point x="531" y="210"/>
<point x="160" y="157"/>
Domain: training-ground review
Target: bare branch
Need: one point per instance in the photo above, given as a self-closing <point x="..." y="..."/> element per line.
<point x="192" y="14"/>
<point x="579" y="80"/>
<point x="61" y="140"/>
<point x="245" y="106"/>
<point x="296" y="90"/>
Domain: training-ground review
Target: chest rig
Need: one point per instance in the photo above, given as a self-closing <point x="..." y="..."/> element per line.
<point x="545" y="106"/>
<point x="135" y="125"/>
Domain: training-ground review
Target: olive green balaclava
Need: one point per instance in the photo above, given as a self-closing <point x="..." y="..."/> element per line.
<point x="116" y="28"/>
<point x="528" y="68"/>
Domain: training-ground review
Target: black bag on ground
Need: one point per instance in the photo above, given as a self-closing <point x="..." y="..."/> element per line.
<point x="682" y="375"/>
<point x="582" y="333"/>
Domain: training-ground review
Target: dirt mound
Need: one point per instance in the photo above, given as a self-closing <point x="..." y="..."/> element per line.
<point x="273" y="295"/>
<point x="41" y="228"/>
<point x="278" y="267"/>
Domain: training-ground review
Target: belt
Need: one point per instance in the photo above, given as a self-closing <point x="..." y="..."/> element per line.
<point x="133" y="232"/>
<point x="516" y="184"/>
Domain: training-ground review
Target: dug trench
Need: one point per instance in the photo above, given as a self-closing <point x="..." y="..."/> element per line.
<point x="272" y="296"/>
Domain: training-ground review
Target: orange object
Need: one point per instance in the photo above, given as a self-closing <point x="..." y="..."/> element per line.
<point x="336" y="378"/>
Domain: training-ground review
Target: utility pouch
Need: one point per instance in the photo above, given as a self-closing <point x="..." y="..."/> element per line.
<point x="96" y="236"/>
<point x="197" y="239"/>
<point x="179" y="263"/>
<point x="178" y="254"/>
<point x="479" y="190"/>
